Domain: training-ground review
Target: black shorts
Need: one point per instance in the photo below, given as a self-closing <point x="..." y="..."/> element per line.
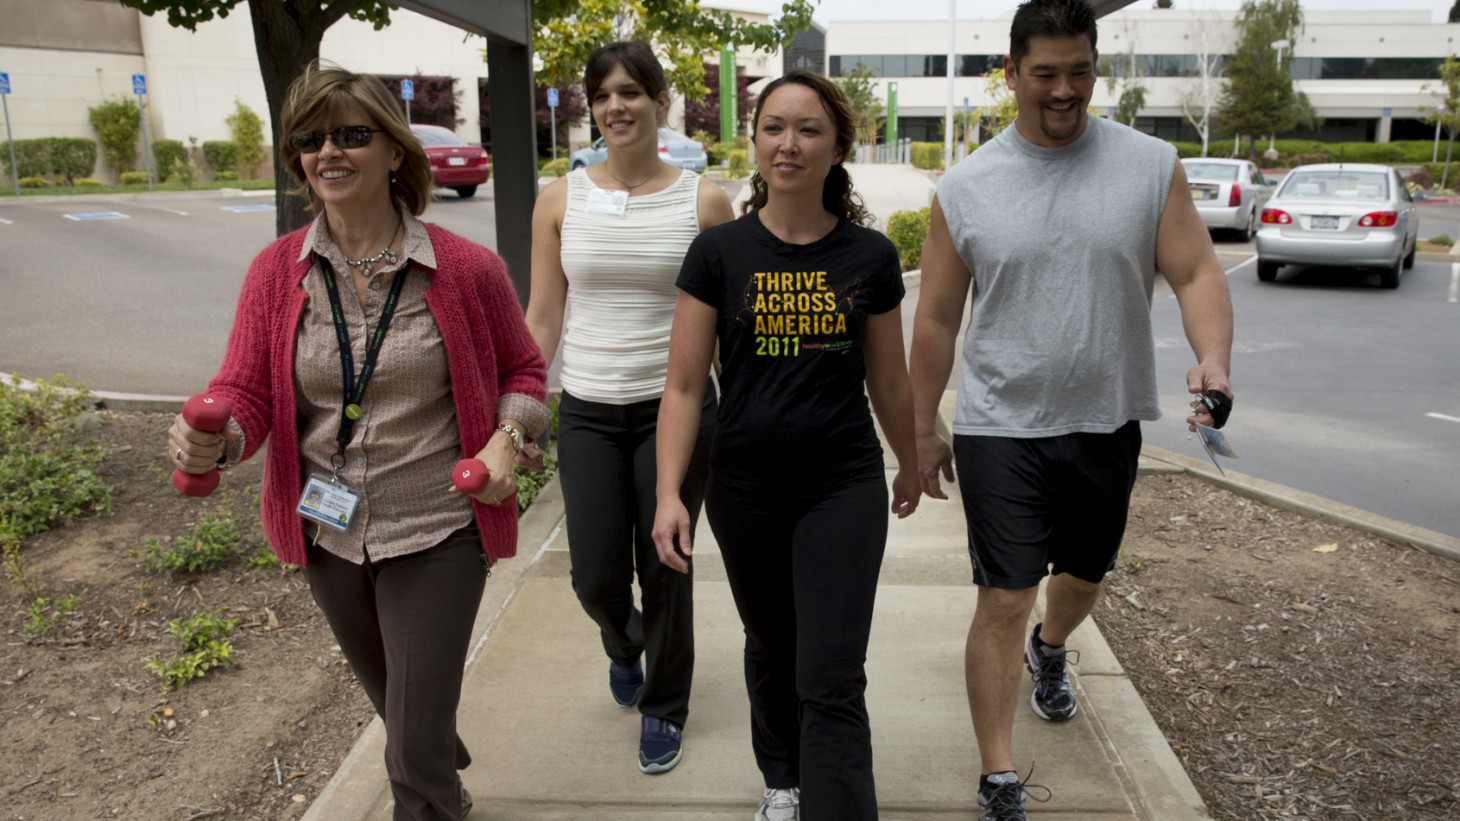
<point x="1033" y="503"/>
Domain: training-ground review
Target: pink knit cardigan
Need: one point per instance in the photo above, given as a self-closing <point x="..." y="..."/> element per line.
<point x="489" y="352"/>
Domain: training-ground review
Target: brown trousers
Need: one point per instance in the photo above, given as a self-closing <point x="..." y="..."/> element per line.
<point x="405" y="626"/>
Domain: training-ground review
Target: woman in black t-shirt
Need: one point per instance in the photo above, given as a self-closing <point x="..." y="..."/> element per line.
<point x="803" y="302"/>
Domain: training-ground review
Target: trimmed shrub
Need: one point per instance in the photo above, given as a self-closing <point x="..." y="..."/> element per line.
<point x="118" y="123"/>
<point x="927" y="156"/>
<point x="169" y="154"/>
<point x="719" y="152"/>
<point x="1436" y="170"/>
<point x="88" y="182"/>
<point x="1189" y="150"/>
<point x="247" y="129"/>
<point x="1417" y="151"/>
<point x="222" y="155"/>
<point x="739" y="164"/>
<point x="1365" y="152"/>
<point x="32" y="158"/>
<point x="908" y="230"/>
<point x="1441" y="239"/>
<point x="62" y="159"/>
<point x="555" y="168"/>
<point x="134" y="177"/>
<point x="34" y="182"/>
<point x="226" y="176"/>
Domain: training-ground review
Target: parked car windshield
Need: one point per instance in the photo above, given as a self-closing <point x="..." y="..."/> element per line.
<point x="1211" y="171"/>
<point x="1362" y="185"/>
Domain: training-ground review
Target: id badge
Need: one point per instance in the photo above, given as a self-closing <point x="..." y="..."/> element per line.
<point x="1215" y="443"/>
<point x="604" y="201"/>
<point x="328" y="503"/>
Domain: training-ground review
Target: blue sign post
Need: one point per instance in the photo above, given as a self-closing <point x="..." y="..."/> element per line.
<point x="552" y="95"/>
<point x="5" y="102"/>
<point x="139" y="87"/>
<point x="408" y="93"/>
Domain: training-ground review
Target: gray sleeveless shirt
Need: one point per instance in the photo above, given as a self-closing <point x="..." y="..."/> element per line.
<point x="1062" y="246"/>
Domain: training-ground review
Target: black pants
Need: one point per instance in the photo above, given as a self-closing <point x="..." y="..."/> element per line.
<point x="803" y="567"/>
<point x="606" y="466"/>
<point x="404" y="625"/>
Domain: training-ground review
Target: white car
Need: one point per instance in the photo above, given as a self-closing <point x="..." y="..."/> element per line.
<point x="1229" y="194"/>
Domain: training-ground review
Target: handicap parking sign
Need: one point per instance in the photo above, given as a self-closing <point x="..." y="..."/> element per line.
<point x="407" y="90"/>
<point x="4" y="82"/>
<point x="139" y="84"/>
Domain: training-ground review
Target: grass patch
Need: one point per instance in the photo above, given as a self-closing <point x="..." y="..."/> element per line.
<point x="175" y="185"/>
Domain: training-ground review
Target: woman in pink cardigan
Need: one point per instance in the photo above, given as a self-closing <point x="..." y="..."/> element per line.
<point x="372" y="351"/>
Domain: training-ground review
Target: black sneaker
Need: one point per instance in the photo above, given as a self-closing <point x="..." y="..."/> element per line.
<point x="1001" y="796"/>
<point x="1053" y="698"/>
<point x="660" y="746"/>
<point x="626" y="682"/>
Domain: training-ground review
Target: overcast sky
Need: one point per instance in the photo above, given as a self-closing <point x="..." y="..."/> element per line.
<point x="830" y="11"/>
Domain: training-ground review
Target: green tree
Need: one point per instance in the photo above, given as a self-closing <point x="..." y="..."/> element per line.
<point x="683" y="33"/>
<point x="1446" y="113"/>
<point x="862" y="94"/>
<point x="287" y="34"/>
<point x="248" y="134"/>
<point x="1455" y="12"/>
<point x="1259" y="97"/>
<point x="1004" y="109"/>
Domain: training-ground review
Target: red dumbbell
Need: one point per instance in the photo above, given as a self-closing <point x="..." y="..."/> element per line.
<point x="210" y="415"/>
<point x="470" y="476"/>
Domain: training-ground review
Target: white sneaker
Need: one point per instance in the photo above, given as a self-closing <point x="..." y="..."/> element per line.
<point x="780" y="805"/>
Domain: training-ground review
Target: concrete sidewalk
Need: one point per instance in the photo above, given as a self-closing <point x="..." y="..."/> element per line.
<point x="550" y="744"/>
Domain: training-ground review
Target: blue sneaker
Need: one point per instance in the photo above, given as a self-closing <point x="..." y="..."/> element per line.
<point x="1001" y="796"/>
<point x="660" y="746"/>
<point x="626" y="683"/>
<point x="1053" y="699"/>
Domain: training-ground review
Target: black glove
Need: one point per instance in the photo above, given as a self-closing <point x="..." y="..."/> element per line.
<point x="1219" y="405"/>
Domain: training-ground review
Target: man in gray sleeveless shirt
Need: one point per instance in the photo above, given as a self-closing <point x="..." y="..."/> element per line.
<point x="1059" y="224"/>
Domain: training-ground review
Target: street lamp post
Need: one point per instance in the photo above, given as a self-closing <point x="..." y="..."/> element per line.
<point x="1278" y="46"/>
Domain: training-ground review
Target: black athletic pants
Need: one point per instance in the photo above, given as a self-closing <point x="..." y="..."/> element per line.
<point x="803" y="567"/>
<point x="606" y="466"/>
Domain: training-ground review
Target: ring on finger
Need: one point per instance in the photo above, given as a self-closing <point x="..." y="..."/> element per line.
<point x="177" y="456"/>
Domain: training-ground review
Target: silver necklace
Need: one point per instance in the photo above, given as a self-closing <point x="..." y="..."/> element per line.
<point x="630" y="188"/>
<point x="367" y="264"/>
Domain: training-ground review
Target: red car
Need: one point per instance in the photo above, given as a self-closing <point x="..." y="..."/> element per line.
<point x="455" y="164"/>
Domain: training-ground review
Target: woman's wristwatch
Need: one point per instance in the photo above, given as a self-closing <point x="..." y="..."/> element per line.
<point x="518" y="440"/>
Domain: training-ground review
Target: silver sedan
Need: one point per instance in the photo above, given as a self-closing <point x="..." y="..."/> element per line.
<point x="674" y="148"/>
<point x="1348" y="215"/>
<point x="1229" y="194"/>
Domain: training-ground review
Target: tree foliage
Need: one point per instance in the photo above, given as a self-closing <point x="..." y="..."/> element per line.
<point x="704" y="115"/>
<point x="1004" y="109"/>
<point x="287" y="34"/>
<point x="1259" y="97"/>
<point x="862" y="94"/>
<point x="682" y="32"/>
<point x="1446" y="113"/>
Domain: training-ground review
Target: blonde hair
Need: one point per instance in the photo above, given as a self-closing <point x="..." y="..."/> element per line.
<point x="325" y="90"/>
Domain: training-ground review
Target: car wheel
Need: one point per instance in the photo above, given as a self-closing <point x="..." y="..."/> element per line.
<point x="1250" y="232"/>
<point x="1390" y="277"/>
<point x="466" y="192"/>
<point x="1409" y="260"/>
<point x="577" y="164"/>
<point x="1267" y="271"/>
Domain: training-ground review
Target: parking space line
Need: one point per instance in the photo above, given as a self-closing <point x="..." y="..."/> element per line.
<point x="160" y="208"/>
<point x="4" y="221"/>
<point x="1455" y="282"/>
<point x="244" y="209"/>
<point x="1241" y="264"/>
<point x="1443" y="417"/>
<point x="96" y="215"/>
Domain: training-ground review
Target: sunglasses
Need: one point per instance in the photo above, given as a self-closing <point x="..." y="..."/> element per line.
<point x="346" y="136"/>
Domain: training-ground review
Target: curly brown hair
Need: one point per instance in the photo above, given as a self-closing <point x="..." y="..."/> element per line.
<point x="837" y="195"/>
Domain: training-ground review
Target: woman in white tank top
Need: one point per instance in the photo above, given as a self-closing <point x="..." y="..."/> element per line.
<point x="607" y="243"/>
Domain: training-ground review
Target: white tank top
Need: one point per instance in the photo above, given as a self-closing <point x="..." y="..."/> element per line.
<point x="621" y="272"/>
